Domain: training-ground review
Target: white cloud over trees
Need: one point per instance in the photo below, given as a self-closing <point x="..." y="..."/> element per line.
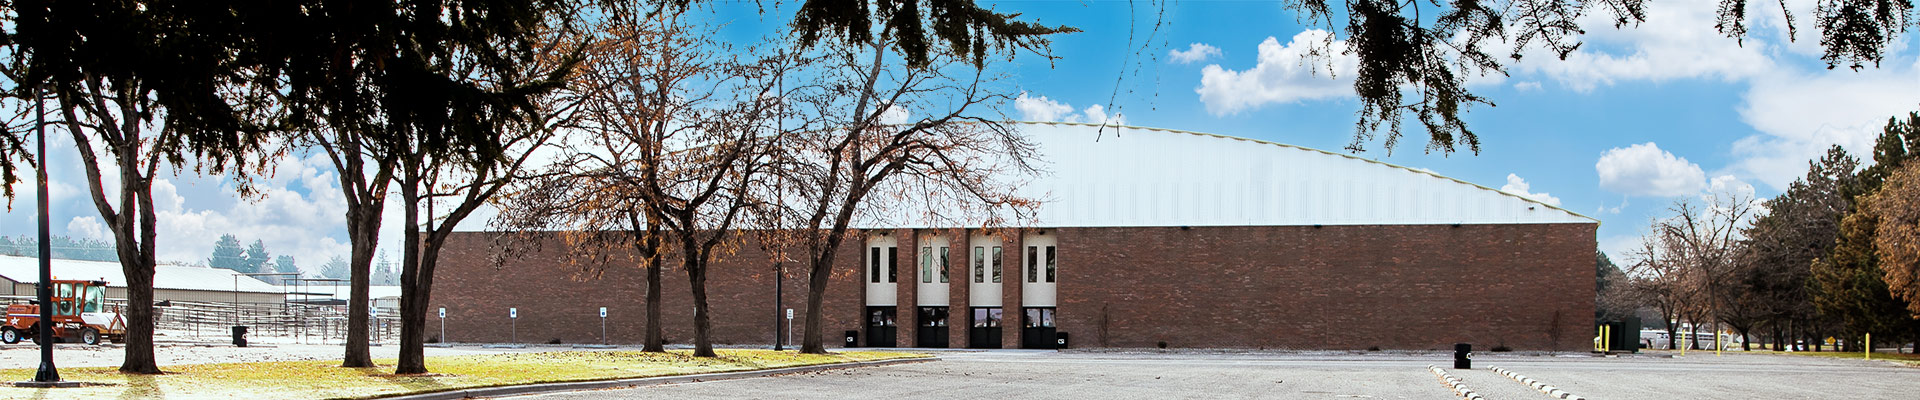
<point x="1646" y="170"/>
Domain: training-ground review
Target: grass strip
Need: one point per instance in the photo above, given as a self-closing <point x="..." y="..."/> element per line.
<point x="324" y="379"/>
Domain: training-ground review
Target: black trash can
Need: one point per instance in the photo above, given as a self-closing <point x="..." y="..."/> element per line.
<point x="240" y="335"/>
<point x="1060" y="340"/>
<point x="852" y="336"/>
<point x="1462" y="356"/>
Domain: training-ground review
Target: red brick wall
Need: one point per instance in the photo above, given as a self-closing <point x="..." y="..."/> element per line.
<point x="1526" y="286"/>
<point x="561" y="301"/>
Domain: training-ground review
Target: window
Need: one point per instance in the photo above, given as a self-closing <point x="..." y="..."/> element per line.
<point x="95" y="296"/>
<point x="943" y="264"/>
<point x="893" y="267"/>
<point x="926" y="265"/>
<point x="874" y="275"/>
<point x="979" y="264"/>
<point x="1050" y="264"/>
<point x="1038" y="318"/>
<point x="933" y="316"/>
<point x="986" y="317"/>
<point x="996" y="264"/>
<point x="880" y="316"/>
<point x="1033" y="261"/>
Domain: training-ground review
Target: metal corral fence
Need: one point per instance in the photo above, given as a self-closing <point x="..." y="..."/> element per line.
<point x="306" y="323"/>
<point x="213" y="321"/>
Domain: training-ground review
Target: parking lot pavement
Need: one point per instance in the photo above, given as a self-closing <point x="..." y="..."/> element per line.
<point x="1733" y="374"/>
<point x="1154" y="375"/>
<point x="1026" y="374"/>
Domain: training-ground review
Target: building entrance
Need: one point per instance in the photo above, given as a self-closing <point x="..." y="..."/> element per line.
<point x="881" y="328"/>
<point x="932" y="330"/>
<point x="1036" y="329"/>
<point x="985" y="333"/>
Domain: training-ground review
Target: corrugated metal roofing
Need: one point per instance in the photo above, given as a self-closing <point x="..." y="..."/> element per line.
<point x="27" y="270"/>
<point x="1136" y="177"/>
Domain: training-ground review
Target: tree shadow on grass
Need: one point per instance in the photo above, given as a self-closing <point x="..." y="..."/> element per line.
<point x="411" y="383"/>
<point x="142" y="386"/>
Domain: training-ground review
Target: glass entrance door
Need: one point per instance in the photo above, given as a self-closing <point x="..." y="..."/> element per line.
<point x="985" y="333"/>
<point x="880" y="327"/>
<point x="932" y="331"/>
<point x="1037" y="331"/>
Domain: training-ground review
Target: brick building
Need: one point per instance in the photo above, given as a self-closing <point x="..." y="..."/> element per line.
<point x="1146" y="238"/>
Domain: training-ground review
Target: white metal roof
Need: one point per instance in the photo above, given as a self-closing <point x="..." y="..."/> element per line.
<point x="27" y="270"/>
<point x="1135" y="177"/>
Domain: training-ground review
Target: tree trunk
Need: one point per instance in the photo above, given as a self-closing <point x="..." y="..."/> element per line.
<point x="1693" y="337"/>
<point x="412" y="353"/>
<point x="702" y="321"/>
<point x="139" y="340"/>
<point x="817" y="276"/>
<point x="363" y="230"/>
<point x="650" y="249"/>
<point x="656" y="342"/>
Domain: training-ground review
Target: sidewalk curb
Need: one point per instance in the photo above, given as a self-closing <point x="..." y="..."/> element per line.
<point x="538" y="388"/>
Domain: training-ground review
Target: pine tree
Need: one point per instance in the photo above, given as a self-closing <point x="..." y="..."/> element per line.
<point x="227" y="254"/>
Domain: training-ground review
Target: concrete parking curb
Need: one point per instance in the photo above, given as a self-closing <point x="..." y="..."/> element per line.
<point x="1454" y="384"/>
<point x="538" y="388"/>
<point x="1536" y="385"/>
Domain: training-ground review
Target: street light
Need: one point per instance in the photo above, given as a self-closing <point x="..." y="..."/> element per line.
<point x="48" y="376"/>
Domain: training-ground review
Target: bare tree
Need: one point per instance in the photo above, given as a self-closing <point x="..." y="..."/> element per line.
<point x="890" y="127"/>
<point x="673" y="131"/>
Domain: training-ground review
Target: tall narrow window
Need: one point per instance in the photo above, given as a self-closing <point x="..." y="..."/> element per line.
<point x="979" y="264"/>
<point x="926" y="265"/>
<point x="1033" y="263"/>
<point x="943" y="264"/>
<point x="996" y="264"/>
<point x="893" y="265"/>
<point x="874" y="275"/>
<point x="1050" y="264"/>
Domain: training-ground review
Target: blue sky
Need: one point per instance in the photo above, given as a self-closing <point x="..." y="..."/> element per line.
<point x="1638" y="118"/>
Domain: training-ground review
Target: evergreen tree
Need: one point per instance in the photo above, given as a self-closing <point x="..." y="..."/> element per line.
<point x="227" y="254"/>
<point x="336" y="268"/>
<point x="284" y="264"/>
<point x="258" y="261"/>
<point x="383" y="274"/>
<point x="1849" y="284"/>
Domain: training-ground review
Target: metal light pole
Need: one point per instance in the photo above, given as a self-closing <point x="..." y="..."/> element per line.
<point x="48" y="373"/>
<point x="779" y="277"/>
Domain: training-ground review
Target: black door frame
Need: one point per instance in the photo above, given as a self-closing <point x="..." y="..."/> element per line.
<point x="1038" y="334"/>
<point x="882" y="329"/>
<point x="930" y="328"/>
<point x="984" y="333"/>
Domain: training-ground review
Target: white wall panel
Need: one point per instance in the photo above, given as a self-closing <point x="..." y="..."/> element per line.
<point x="1155" y="177"/>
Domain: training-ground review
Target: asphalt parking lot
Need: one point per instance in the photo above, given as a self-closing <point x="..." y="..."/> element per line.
<point x="1195" y="375"/>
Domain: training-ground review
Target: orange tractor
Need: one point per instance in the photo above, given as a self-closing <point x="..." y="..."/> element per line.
<point x="79" y="312"/>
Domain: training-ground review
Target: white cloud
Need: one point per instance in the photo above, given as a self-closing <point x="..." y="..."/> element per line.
<point x="1645" y="170"/>
<point x="1519" y="187"/>
<point x="1677" y="41"/>
<point x="1195" y="52"/>
<point x="894" y="116"/>
<point x="301" y="211"/>
<point x="1040" y="109"/>
<point x="1527" y="86"/>
<point x="1307" y="68"/>
<point x="1800" y="115"/>
<point x="1097" y="114"/>
<point x="89" y="228"/>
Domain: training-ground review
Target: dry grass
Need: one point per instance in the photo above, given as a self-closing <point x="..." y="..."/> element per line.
<point x="326" y="380"/>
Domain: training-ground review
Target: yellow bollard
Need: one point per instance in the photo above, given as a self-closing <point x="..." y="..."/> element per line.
<point x="1606" y="338"/>
<point x="1869" y="347"/>
<point x="1716" y="343"/>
